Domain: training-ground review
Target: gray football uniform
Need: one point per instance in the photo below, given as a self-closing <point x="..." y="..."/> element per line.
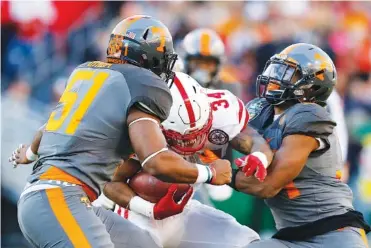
<point x="84" y="140"/>
<point x="317" y="193"/>
<point x="100" y="136"/>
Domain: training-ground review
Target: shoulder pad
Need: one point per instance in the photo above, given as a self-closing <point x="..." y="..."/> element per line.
<point x="83" y="65"/>
<point x="147" y="88"/>
<point x="229" y="114"/>
<point x="255" y="107"/>
<point x="308" y="119"/>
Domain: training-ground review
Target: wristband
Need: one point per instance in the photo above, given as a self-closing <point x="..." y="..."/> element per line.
<point x="232" y="184"/>
<point x="104" y="201"/>
<point x="30" y="155"/>
<point x="141" y="206"/>
<point x="261" y="156"/>
<point x="204" y="174"/>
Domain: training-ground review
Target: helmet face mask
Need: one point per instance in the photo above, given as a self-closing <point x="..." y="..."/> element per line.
<point x="275" y="84"/>
<point x="203" y="48"/>
<point x="166" y="69"/>
<point x="188" y="125"/>
<point x="188" y="143"/>
<point x="203" y="69"/>
<point x="300" y="73"/>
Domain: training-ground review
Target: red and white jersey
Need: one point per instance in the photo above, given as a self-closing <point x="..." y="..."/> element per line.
<point x="230" y="117"/>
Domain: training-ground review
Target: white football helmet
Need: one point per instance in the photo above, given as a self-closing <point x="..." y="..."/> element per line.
<point x="190" y="119"/>
<point x="206" y="45"/>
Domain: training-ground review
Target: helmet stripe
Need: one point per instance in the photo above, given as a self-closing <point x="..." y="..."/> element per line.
<point x="243" y="115"/>
<point x="247" y="117"/>
<point x="205" y="44"/>
<point x="187" y="103"/>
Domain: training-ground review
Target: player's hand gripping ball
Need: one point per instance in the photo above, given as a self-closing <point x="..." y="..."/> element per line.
<point x="152" y="189"/>
<point x="167" y="206"/>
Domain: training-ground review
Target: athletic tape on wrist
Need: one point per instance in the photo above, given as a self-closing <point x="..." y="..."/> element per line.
<point x="204" y="174"/>
<point x="30" y="155"/>
<point x="104" y="201"/>
<point x="141" y="206"/>
<point x="261" y="156"/>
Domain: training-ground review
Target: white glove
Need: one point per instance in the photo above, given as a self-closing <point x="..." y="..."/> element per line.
<point x="103" y="201"/>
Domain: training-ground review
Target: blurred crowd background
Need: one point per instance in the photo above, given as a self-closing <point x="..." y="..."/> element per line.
<point x="42" y="42"/>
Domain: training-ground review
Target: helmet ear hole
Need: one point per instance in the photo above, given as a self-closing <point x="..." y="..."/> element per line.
<point x="194" y="88"/>
<point x="316" y="87"/>
<point x="156" y="62"/>
<point x="311" y="93"/>
<point x="145" y="35"/>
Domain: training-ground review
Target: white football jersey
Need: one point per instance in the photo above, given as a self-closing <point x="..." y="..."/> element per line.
<point x="230" y="117"/>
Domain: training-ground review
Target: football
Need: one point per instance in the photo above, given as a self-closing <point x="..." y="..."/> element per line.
<point x="152" y="189"/>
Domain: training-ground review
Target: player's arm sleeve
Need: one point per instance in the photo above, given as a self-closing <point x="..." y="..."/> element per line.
<point x="37" y="139"/>
<point x="252" y="102"/>
<point x="149" y="93"/>
<point x="254" y="109"/>
<point x="310" y="120"/>
<point x="240" y="120"/>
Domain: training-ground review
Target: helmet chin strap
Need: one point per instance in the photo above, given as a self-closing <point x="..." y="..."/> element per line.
<point x="276" y="104"/>
<point x="282" y="102"/>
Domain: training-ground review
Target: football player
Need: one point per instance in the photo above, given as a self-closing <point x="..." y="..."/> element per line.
<point x="203" y="59"/>
<point x="311" y="206"/>
<point x="199" y="120"/>
<point x="107" y="111"/>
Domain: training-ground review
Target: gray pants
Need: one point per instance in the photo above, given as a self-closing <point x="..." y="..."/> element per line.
<point x="63" y="217"/>
<point x="348" y="237"/>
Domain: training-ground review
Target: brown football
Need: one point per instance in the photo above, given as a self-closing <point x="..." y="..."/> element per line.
<point x="152" y="189"/>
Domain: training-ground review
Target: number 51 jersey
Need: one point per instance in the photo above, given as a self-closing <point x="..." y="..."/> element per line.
<point x="86" y="135"/>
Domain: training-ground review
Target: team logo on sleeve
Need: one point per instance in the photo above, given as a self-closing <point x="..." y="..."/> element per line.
<point x="218" y="137"/>
<point x="254" y="109"/>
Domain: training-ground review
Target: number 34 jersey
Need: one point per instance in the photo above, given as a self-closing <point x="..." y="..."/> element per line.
<point x="230" y="117"/>
<point x="86" y="135"/>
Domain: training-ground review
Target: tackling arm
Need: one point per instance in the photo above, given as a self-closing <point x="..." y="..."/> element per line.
<point x="288" y="162"/>
<point x="147" y="139"/>
<point x="118" y="190"/>
<point x="249" y="141"/>
<point x="37" y="139"/>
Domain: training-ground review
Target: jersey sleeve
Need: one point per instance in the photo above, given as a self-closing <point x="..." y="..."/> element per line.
<point x="148" y="92"/>
<point x="243" y="115"/>
<point x="309" y="119"/>
<point x="232" y="117"/>
<point x="260" y="113"/>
